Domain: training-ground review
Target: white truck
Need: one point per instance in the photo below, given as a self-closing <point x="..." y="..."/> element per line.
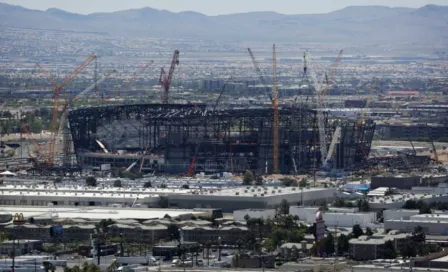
<point x="142" y="260"/>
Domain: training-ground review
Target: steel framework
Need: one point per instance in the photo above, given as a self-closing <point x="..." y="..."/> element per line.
<point x="231" y="140"/>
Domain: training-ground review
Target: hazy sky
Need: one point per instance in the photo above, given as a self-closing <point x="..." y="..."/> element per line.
<point x="214" y="7"/>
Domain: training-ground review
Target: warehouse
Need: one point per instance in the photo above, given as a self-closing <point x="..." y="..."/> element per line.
<point x="227" y="199"/>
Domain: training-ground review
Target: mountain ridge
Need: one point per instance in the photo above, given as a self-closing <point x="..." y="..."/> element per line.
<point x="361" y="24"/>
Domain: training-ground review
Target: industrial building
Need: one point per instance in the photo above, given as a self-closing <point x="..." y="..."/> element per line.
<point x="216" y="141"/>
<point x="226" y="199"/>
<point x="239" y="215"/>
<point x="336" y="217"/>
<point x="379" y="203"/>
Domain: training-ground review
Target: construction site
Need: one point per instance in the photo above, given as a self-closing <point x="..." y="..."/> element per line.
<point x="190" y="138"/>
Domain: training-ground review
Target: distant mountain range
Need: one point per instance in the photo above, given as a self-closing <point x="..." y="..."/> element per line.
<point x="357" y="24"/>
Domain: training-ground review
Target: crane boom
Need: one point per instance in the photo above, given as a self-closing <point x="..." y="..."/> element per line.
<point x="64" y="116"/>
<point x="167" y="79"/>
<point x="319" y="107"/>
<point x="258" y="70"/>
<point x="275" y="106"/>
<point x="57" y="91"/>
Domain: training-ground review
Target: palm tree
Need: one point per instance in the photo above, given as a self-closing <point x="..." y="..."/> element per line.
<point x="113" y="267"/>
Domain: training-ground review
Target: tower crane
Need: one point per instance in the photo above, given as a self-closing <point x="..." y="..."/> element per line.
<point x="57" y="91"/>
<point x="165" y="80"/>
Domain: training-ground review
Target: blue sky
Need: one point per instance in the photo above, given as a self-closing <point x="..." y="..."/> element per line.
<point x="215" y="7"/>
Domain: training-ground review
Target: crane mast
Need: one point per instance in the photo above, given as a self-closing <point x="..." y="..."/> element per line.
<point x="275" y="106"/>
<point x="165" y="80"/>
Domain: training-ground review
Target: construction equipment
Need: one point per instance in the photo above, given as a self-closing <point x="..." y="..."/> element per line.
<point x="165" y="80"/>
<point x="320" y="91"/>
<point x="259" y="72"/>
<point x="319" y="108"/>
<point x="334" y="141"/>
<point x="58" y="88"/>
<point x="68" y="102"/>
<point x="275" y="107"/>
<point x="193" y="160"/>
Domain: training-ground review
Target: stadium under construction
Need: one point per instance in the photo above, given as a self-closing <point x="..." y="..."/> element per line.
<point x="168" y="138"/>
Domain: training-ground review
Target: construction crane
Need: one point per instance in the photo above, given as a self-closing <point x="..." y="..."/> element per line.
<point x="320" y="91"/>
<point x="259" y="72"/>
<point x="165" y="80"/>
<point x="275" y="107"/>
<point x="68" y="103"/>
<point x="57" y="91"/>
<point x="319" y="107"/>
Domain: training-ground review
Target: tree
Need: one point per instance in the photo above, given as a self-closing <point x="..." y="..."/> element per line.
<point x="163" y="186"/>
<point x="424" y="208"/>
<point x="408" y="250"/>
<point x="410" y="205"/>
<point x="418" y="235"/>
<point x="363" y="205"/>
<point x="147" y="184"/>
<point x="91" y="181"/>
<point x="117" y="183"/>
<point x="357" y="231"/>
<point x="303" y="183"/>
<point x="389" y="250"/>
<point x="105" y="223"/>
<point x="283" y="208"/>
<point x="343" y="244"/>
<point x="329" y="244"/>
<point x="369" y="232"/>
<point x="259" y="181"/>
<point x="288" y="182"/>
<point x="248" y="178"/>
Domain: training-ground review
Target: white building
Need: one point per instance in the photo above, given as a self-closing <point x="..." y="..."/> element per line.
<point x="253" y="213"/>
<point x="345" y="218"/>
<point x="399" y="214"/>
<point x="432" y="227"/>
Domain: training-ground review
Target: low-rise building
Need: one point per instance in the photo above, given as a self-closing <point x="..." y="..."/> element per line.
<point x="228" y="235"/>
<point x="20" y="247"/>
<point x="239" y="215"/>
<point x="139" y="233"/>
<point x="341" y="217"/>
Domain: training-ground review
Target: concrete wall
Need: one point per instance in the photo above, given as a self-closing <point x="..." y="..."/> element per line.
<point x="240" y="214"/>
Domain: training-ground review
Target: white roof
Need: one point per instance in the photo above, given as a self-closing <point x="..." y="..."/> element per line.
<point x="96" y="213"/>
<point x="7" y="173"/>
